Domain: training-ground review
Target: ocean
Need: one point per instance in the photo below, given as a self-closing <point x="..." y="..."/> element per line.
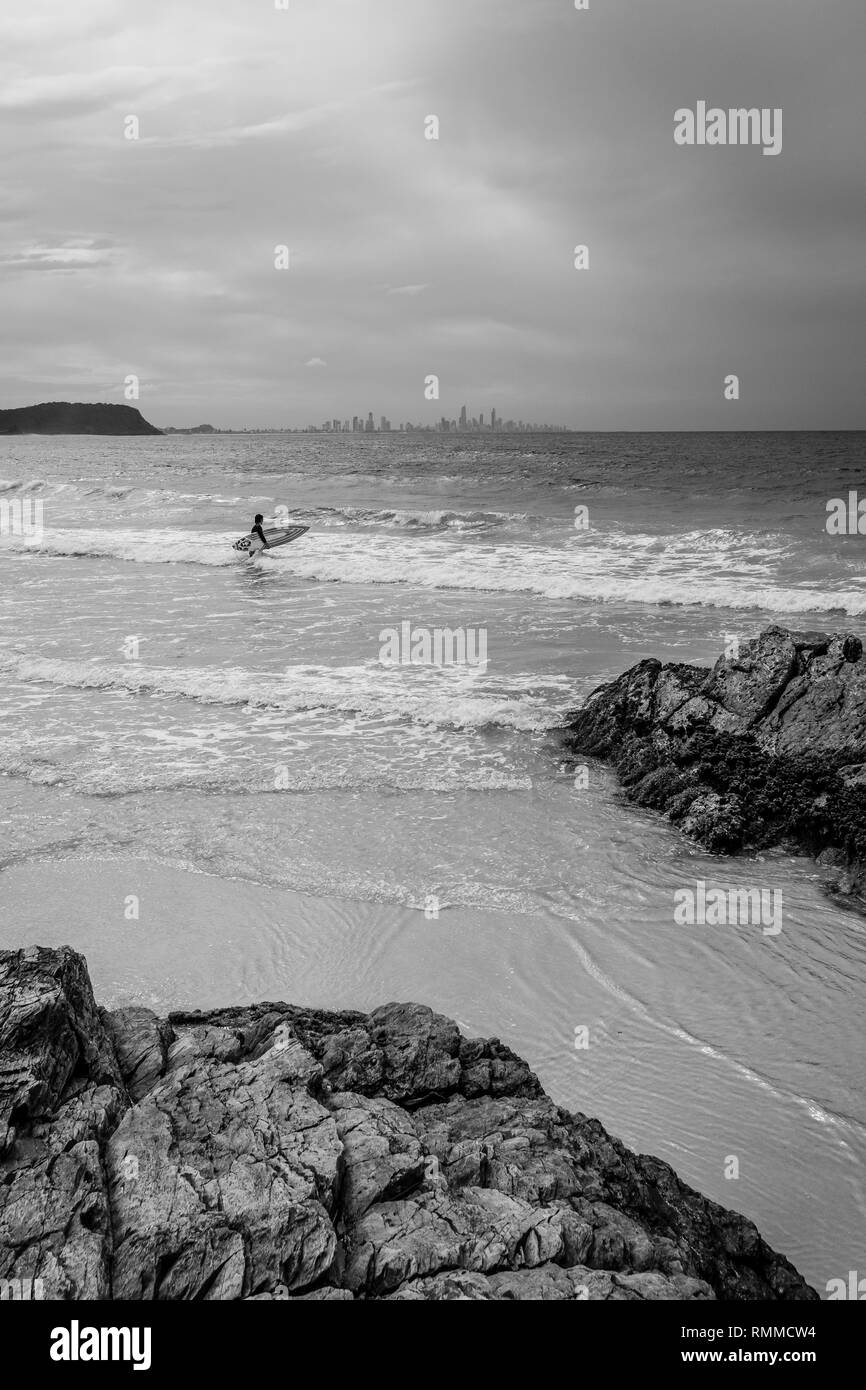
<point x="216" y="788"/>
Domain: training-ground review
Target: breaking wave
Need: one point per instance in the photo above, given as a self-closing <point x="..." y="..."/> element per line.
<point x="719" y="569"/>
<point x="448" y="697"/>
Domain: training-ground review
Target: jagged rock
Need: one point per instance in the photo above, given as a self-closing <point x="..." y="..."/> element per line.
<point x="455" y="1286"/>
<point x="767" y="747"/>
<point x="51" y="1034"/>
<point x="61" y="1094"/>
<point x="410" y="1055"/>
<point x="552" y="1283"/>
<point x="382" y="1154"/>
<point x="141" y="1043"/>
<point x="223" y="1178"/>
<point x="327" y="1294"/>
<point x="477" y="1229"/>
<point x="273" y="1152"/>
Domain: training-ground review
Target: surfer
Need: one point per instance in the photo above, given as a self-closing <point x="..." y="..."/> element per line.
<point x="258" y="540"/>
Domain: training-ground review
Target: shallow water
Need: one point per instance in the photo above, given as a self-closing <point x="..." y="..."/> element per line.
<point x="220" y="739"/>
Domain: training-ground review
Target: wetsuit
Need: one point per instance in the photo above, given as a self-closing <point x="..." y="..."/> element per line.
<point x="257" y="534"/>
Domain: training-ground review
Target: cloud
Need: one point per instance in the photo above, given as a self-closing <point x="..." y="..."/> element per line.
<point x="81" y="253"/>
<point x="305" y="127"/>
<point x="406" y="289"/>
<point x="288" y="124"/>
<point x="65" y="93"/>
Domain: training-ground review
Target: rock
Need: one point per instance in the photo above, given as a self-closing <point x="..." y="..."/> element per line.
<point x="382" y="1155"/>
<point x="456" y="1287"/>
<point x="141" y="1043"/>
<point x="223" y="1180"/>
<point x="274" y="1152"/>
<point x="552" y="1283"/>
<point x="475" y="1228"/>
<point x="410" y="1055"/>
<point x="767" y="748"/>
<point x="61" y="1094"/>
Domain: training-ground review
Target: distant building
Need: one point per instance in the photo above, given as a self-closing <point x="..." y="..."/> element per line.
<point x="443" y="425"/>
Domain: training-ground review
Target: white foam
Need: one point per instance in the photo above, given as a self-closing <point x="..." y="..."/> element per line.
<point x="448" y="697"/>
<point x="718" y="569"/>
<point x="116" y="777"/>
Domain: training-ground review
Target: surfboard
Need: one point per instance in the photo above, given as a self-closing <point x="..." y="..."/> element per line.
<point x="280" y="535"/>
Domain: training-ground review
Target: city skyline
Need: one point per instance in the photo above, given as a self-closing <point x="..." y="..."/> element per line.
<point x="359" y="424"/>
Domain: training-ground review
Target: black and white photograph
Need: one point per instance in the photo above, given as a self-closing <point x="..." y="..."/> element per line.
<point x="432" y="673"/>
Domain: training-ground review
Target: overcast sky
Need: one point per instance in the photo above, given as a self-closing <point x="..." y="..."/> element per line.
<point x="411" y="257"/>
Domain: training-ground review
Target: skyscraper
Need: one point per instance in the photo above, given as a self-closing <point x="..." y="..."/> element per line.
<point x="493" y="418"/>
<point x="463" y="417"/>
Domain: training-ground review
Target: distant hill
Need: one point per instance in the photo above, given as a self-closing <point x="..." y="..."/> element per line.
<point x="191" y="429"/>
<point x="68" y="417"/>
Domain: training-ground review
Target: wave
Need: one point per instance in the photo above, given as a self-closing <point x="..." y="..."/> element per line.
<point x="8" y="485"/>
<point x="411" y="519"/>
<point x="162" y="496"/>
<point x="716" y="569"/>
<point x="448" y="697"/>
<point x="78" y="495"/>
<point x="90" y="490"/>
<point x="420" y="519"/>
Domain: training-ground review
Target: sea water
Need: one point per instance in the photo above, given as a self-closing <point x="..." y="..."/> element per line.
<point x="220" y="788"/>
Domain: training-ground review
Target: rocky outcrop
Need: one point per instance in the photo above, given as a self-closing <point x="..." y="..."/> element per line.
<point x="279" y="1152"/>
<point x="74" y="417"/>
<point x="767" y="748"/>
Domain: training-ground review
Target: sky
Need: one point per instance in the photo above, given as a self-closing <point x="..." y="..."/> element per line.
<point x="454" y="258"/>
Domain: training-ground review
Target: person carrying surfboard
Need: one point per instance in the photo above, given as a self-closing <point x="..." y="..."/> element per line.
<point x="258" y="539"/>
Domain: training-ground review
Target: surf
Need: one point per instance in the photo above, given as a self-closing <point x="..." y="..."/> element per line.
<point x="442" y="698"/>
<point x="607" y="567"/>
